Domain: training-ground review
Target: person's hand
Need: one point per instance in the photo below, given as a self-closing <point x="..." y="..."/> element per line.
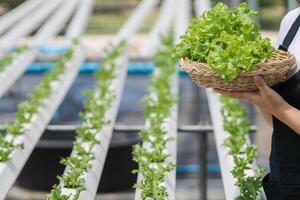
<point x="265" y="98"/>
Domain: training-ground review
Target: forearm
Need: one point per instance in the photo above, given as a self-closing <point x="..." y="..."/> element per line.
<point x="267" y="116"/>
<point x="290" y="116"/>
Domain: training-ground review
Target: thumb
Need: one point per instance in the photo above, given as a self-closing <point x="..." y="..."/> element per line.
<point x="261" y="84"/>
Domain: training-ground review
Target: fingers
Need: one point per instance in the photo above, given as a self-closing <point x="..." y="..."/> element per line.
<point x="253" y="97"/>
<point x="261" y="84"/>
<point x="248" y="96"/>
<point x="227" y="93"/>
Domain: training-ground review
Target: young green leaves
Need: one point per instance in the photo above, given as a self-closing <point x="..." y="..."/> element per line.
<point x="9" y="58"/>
<point x="96" y="106"/>
<point x="228" y="40"/>
<point x="237" y="125"/>
<point x="27" y="109"/>
<point x="152" y="155"/>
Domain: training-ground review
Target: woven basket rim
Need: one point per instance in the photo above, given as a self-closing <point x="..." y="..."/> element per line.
<point x="274" y="70"/>
<point x="256" y="67"/>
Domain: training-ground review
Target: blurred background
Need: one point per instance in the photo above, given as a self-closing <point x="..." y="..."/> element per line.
<point x="109" y="15"/>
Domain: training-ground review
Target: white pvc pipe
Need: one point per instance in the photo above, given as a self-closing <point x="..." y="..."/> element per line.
<point x="181" y="23"/>
<point x="183" y="15"/>
<point x="48" y="30"/>
<point x="57" y="21"/>
<point x="12" y="72"/>
<point x="92" y="177"/>
<point x="29" y="24"/>
<point x="135" y="21"/>
<point x="161" y="27"/>
<point x="171" y="147"/>
<point x="79" y="21"/>
<point x="201" y="6"/>
<point x="13" y="16"/>
<point x="10" y="170"/>
<point x="225" y="160"/>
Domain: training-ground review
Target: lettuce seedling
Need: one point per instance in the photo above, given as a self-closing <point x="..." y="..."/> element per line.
<point x="237" y="125"/>
<point x="27" y="109"/>
<point x="7" y="59"/>
<point x="152" y="158"/>
<point x="94" y="119"/>
<point x="56" y="194"/>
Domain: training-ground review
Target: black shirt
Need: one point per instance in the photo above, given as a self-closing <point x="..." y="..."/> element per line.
<point x="285" y="154"/>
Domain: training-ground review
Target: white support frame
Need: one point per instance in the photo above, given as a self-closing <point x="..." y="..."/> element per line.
<point x="92" y="177"/>
<point x="137" y="18"/>
<point x="10" y="18"/>
<point x="79" y="21"/>
<point x="52" y="27"/>
<point x="29" y="23"/>
<point x="183" y="17"/>
<point x="10" y="170"/>
<point x="181" y="24"/>
<point x="225" y="160"/>
<point x="201" y="6"/>
<point x="161" y="27"/>
<point x="12" y="72"/>
<point x="170" y="126"/>
<point x="49" y="29"/>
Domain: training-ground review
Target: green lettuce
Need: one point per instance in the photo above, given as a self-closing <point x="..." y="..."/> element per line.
<point x="228" y="40"/>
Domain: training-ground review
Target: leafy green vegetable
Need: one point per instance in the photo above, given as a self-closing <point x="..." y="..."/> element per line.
<point x="8" y="58"/>
<point x="152" y="155"/>
<point x="228" y="40"/>
<point x="73" y="178"/>
<point x="235" y="122"/>
<point x="6" y="148"/>
<point x="27" y="109"/>
<point x="56" y="194"/>
<point x="96" y="106"/>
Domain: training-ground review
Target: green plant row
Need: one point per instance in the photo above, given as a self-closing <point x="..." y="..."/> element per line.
<point x="236" y="123"/>
<point x="151" y="156"/>
<point x="96" y="106"/>
<point x="27" y="109"/>
<point x="7" y="59"/>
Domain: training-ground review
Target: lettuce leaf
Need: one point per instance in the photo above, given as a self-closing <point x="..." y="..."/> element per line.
<point x="228" y="40"/>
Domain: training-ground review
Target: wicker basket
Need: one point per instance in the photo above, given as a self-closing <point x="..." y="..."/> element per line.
<point x="274" y="70"/>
